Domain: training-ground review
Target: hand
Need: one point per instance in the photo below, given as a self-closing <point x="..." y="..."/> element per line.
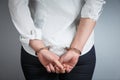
<point x="48" y="59"/>
<point x="69" y="60"/>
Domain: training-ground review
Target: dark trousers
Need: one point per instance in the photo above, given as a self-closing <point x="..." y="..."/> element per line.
<point x="33" y="69"/>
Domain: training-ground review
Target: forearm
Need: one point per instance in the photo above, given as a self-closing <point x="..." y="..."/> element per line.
<point x="36" y="44"/>
<point x="84" y="30"/>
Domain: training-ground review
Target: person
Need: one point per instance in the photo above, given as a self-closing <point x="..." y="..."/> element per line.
<point x="57" y="37"/>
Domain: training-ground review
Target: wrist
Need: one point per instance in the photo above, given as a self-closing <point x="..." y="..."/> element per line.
<point x="74" y="50"/>
<point x="42" y="50"/>
<point x="36" y="44"/>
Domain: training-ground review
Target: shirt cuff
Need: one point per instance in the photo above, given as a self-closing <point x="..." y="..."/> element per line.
<point x="34" y="34"/>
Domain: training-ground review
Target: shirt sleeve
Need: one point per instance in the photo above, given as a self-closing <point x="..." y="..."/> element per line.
<point x="92" y="9"/>
<point x="21" y="17"/>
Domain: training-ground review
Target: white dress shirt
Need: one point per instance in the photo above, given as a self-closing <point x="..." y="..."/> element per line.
<point x="53" y="21"/>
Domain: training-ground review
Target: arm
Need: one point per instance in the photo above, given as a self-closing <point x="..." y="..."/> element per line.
<point x="30" y="36"/>
<point x="84" y="30"/>
<point x="89" y="15"/>
<point x="23" y="22"/>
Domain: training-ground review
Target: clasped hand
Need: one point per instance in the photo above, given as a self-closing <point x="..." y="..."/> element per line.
<point x="56" y="64"/>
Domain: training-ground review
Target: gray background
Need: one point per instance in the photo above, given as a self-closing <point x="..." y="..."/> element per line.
<point x="107" y="37"/>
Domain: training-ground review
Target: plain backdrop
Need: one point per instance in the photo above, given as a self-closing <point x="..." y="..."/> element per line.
<point x="107" y="43"/>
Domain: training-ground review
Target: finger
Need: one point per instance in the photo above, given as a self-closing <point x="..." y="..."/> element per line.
<point x="64" y="65"/>
<point x="57" y="69"/>
<point x="68" y="69"/>
<point x="48" y="68"/>
<point x="51" y="68"/>
<point x="58" y="64"/>
<point x="60" y="70"/>
<point x="72" y="62"/>
<point x="71" y="65"/>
